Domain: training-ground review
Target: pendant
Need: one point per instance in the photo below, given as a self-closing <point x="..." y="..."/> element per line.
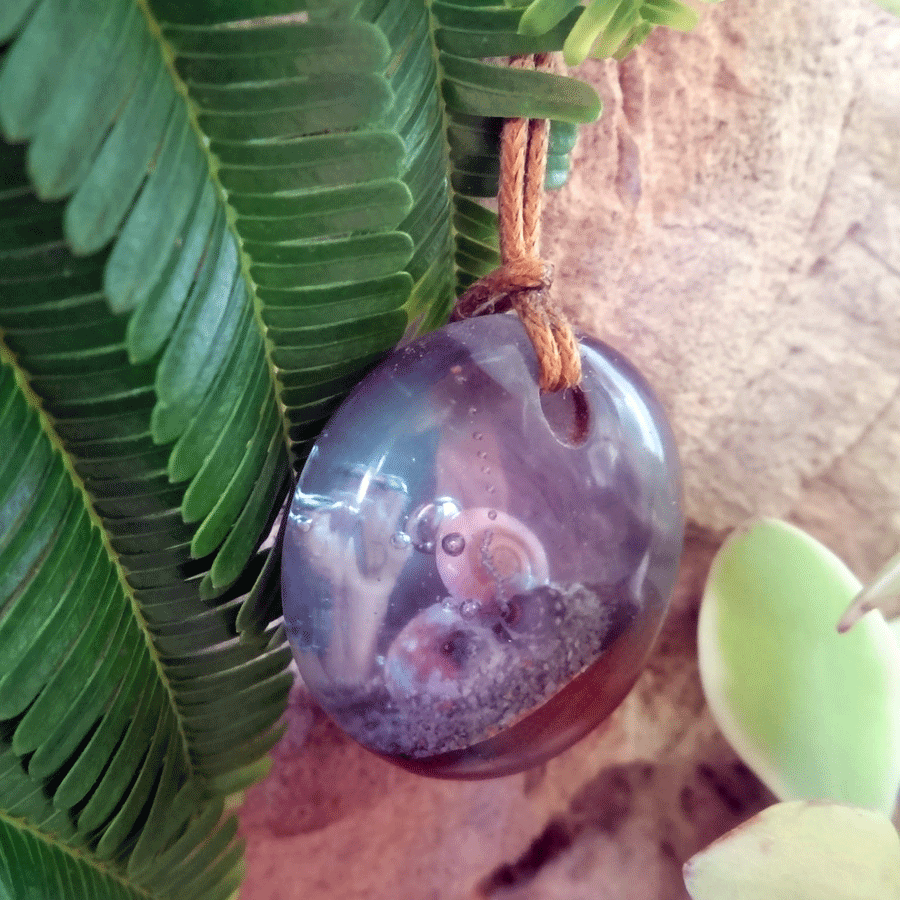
<point x="473" y="572"/>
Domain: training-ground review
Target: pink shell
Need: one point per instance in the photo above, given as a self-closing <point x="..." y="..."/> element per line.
<point x="438" y="654"/>
<point x="500" y="552"/>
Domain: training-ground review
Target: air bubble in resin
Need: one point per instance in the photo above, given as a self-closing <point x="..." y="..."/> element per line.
<point x="453" y="544"/>
<point x="465" y="626"/>
<point x="426" y="519"/>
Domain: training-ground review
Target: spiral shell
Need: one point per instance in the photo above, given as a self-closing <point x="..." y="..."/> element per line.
<point x="484" y="553"/>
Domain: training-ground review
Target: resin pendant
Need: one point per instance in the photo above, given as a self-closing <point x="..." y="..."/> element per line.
<point x="474" y="572"/>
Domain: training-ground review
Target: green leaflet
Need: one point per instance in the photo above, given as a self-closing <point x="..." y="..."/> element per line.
<point x="473" y="88"/>
<point x="604" y="27"/>
<point x="208" y="234"/>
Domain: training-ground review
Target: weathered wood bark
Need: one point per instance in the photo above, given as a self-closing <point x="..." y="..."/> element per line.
<point x="733" y="225"/>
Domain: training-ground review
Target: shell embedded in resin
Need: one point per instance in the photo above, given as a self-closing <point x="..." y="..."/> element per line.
<point x="471" y="582"/>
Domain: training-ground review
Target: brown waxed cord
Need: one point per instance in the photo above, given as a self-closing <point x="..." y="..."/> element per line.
<point x="523" y="280"/>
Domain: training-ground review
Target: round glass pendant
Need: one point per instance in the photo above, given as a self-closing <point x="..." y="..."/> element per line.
<point x="474" y="572"/>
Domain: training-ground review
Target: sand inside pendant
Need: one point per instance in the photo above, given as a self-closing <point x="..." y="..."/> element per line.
<point x="525" y="674"/>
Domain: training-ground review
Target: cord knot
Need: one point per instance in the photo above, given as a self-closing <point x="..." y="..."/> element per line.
<point x="523" y="280"/>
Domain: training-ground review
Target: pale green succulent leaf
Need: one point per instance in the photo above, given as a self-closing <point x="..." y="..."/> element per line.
<point x="801" y="851"/>
<point x="890" y="5"/>
<point x="815" y="713"/>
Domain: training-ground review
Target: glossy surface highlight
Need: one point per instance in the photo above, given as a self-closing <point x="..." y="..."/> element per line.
<point x="468" y="590"/>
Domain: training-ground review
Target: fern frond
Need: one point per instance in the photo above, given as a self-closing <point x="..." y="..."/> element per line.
<point x="214" y="218"/>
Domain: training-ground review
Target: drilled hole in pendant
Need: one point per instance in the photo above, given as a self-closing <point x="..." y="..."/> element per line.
<point x="568" y="415"/>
